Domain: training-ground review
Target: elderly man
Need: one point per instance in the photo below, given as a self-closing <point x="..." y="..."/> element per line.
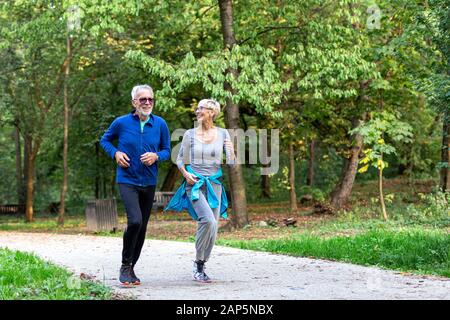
<point x="143" y="140"/>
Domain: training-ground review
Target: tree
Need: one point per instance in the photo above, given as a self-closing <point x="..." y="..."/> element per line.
<point x="25" y="34"/>
<point x="391" y="42"/>
<point x="316" y="70"/>
<point x="71" y="26"/>
<point x="374" y="133"/>
<point x="232" y="117"/>
<point x="231" y="75"/>
<point x="327" y="65"/>
<point x="34" y="31"/>
<point x="311" y="161"/>
<point x="437" y="19"/>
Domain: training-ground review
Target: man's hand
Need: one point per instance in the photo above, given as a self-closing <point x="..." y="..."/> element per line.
<point x="122" y="159"/>
<point x="149" y="158"/>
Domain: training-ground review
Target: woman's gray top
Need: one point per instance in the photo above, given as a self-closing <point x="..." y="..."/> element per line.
<point x="204" y="158"/>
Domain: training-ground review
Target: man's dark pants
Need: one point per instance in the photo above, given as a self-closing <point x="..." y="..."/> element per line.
<point x="138" y="204"/>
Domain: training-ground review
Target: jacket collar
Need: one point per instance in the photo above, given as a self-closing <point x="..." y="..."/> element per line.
<point x="150" y="121"/>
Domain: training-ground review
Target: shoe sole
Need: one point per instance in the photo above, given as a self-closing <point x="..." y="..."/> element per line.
<point x="202" y="281"/>
<point x="125" y="284"/>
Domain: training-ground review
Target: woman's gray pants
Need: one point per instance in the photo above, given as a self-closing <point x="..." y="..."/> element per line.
<point x="207" y="223"/>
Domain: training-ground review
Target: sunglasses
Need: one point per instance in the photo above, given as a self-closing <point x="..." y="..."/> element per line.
<point x="203" y="107"/>
<point x="145" y="100"/>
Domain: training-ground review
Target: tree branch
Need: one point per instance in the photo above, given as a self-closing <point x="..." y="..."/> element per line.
<point x="268" y="30"/>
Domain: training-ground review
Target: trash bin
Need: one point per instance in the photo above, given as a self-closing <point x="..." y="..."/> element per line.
<point x="101" y="215"/>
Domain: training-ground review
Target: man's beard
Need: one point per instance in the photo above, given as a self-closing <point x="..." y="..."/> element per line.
<point x="145" y="113"/>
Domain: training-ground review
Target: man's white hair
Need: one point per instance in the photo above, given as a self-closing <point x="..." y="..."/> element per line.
<point x="140" y="87"/>
<point x="211" y="103"/>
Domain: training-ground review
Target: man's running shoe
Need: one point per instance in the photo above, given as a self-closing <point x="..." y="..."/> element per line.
<point x="125" y="274"/>
<point x="134" y="280"/>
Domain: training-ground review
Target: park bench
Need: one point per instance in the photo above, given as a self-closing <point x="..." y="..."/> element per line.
<point x="162" y="198"/>
<point x="10" y="209"/>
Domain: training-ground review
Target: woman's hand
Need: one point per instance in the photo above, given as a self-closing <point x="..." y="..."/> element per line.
<point x="229" y="146"/>
<point x="190" y="178"/>
<point x="229" y="149"/>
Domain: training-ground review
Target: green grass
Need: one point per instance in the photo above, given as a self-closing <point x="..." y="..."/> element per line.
<point x="24" y="276"/>
<point x="344" y="225"/>
<point x="417" y="251"/>
<point x="41" y="223"/>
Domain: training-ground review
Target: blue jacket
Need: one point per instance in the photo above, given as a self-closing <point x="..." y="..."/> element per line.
<point x="154" y="137"/>
<point x="180" y="201"/>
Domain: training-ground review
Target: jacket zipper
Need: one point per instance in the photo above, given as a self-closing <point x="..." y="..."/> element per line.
<point x="141" y="148"/>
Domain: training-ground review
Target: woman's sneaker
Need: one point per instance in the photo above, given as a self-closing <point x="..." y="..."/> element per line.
<point x="198" y="272"/>
<point x="201" y="277"/>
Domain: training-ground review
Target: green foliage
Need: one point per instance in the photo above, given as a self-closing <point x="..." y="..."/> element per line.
<point x="309" y="68"/>
<point x="435" y="21"/>
<point x="258" y="82"/>
<point x="373" y="133"/>
<point x="316" y="193"/>
<point x="434" y="207"/>
<point x="25" y="276"/>
<point x="8" y="188"/>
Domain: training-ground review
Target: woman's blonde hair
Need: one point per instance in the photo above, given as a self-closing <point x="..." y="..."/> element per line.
<point x="212" y="104"/>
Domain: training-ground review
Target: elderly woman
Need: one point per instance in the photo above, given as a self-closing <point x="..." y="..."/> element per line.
<point x="202" y="193"/>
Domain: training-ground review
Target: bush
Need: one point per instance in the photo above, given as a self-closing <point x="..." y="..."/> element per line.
<point x="435" y="206"/>
<point x="316" y="193"/>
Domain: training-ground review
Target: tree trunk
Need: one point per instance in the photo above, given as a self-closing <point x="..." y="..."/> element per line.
<point x="265" y="178"/>
<point x="62" y="207"/>
<point x="30" y="190"/>
<point x="380" y="189"/>
<point x="265" y="186"/>
<point x="104" y="185"/>
<point x="293" y="195"/>
<point x="31" y="162"/>
<point x="171" y="178"/>
<point x="237" y="183"/>
<point x="445" y="153"/>
<point x="19" y="172"/>
<point x="112" y="184"/>
<point x="97" y="171"/>
<point x="343" y="189"/>
<point x="310" y="175"/>
<point x="26" y="157"/>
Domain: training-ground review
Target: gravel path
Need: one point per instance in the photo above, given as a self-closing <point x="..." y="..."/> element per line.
<point x="165" y="270"/>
